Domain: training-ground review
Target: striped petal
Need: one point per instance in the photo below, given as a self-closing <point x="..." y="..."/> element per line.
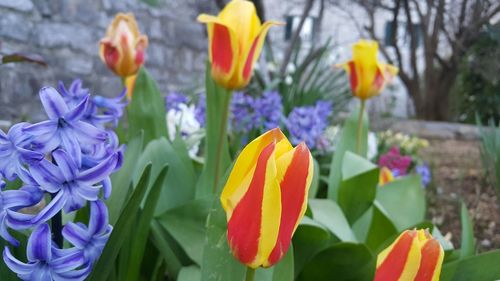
<point x="223" y="49"/>
<point x="432" y="259"/>
<point x="254" y="224"/>
<point x="400" y="261"/>
<point x="295" y="171"/>
<point x="385" y="176"/>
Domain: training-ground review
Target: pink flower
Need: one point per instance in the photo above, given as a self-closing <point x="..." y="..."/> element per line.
<point x="396" y="162"/>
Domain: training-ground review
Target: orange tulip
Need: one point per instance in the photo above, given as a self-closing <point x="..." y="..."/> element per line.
<point x="235" y="40"/>
<point x="385" y="176"/>
<point x="367" y="76"/>
<point x="414" y="256"/>
<point x="265" y="197"/>
<point x="123" y="48"/>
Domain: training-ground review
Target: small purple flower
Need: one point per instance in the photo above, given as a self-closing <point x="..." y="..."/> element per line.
<point x="269" y="110"/>
<point x="173" y="100"/>
<point x="243" y="117"/>
<point x="15" y="153"/>
<point x="200" y="110"/>
<point x="45" y="261"/>
<point x="73" y="187"/>
<point x="307" y="123"/>
<point x="75" y="94"/>
<point x="90" y="241"/>
<point x="64" y="128"/>
<point x="425" y="173"/>
<point x="11" y="201"/>
<point x="112" y="108"/>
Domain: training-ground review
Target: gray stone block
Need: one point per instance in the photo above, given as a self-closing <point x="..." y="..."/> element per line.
<point x="20" y="5"/>
<point x="15" y="26"/>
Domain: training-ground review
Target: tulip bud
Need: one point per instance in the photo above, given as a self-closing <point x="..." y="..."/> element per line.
<point x="235" y="40"/>
<point x="385" y="176"/>
<point x="265" y="198"/>
<point x="367" y="76"/>
<point x="415" y="255"/>
<point x="122" y="50"/>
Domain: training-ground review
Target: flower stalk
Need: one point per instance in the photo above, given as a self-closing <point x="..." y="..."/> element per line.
<point x="250" y="275"/>
<point x="359" y="134"/>
<point x="221" y="138"/>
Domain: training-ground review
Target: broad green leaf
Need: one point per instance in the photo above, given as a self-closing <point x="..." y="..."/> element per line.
<point x="313" y="190"/>
<point x="179" y="186"/>
<point x="483" y="267"/>
<point x="467" y="242"/>
<point x="374" y="228"/>
<point x="217" y="158"/>
<point x="162" y="243"/>
<point x="309" y="239"/>
<point x="342" y="261"/>
<point x="403" y="201"/>
<point x="122" y="179"/>
<point x="146" y="111"/>
<point x="186" y="224"/>
<point x="357" y="192"/>
<point x="347" y="142"/>
<point x="189" y="273"/>
<point x="329" y="214"/>
<point x="141" y="233"/>
<point x="103" y="267"/>
<point x="218" y="263"/>
<point x="283" y="270"/>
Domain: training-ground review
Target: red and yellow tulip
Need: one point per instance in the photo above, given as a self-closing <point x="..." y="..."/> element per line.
<point x="265" y="198"/>
<point x="385" y="176"/>
<point x="235" y="40"/>
<point x="123" y="48"/>
<point x="367" y="76"/>
<point x="414" y="256"/>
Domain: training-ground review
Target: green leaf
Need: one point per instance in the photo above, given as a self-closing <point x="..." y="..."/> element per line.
<point x="142" y="231"/>
<point x="467" y="242"/>
<point x="313" y="190"/>
<point x="358" y="187"/>
<point x="483" y="267"/>
<point x="347" y="142"/>
<point x="379" y="230"/>
<point x="189" y="273"/>
<point x="217" y="158"/>
<point x="186" y="224"/>
<point x="403" y="201"/>
<point x="103" y="267"/>
<point x="309" y="239"/>
<point x="342" y="261"/>
<point x="179" y="186"/>
<point x="283" y="270"/>
<point x="122" y="179"/>
<point x="160" y="239"/>
<point x="146" y="111"/>
<point x="329" y="214"/>
<point x="218" y="262"/>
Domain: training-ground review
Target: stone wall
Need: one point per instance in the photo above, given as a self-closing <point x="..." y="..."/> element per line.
<point x="66" y="34"/>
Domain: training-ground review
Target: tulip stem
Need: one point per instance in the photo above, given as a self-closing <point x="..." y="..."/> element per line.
<point x="250" y="274"/>
<point x="360" y="127"/>
<point x="221" y="138"/>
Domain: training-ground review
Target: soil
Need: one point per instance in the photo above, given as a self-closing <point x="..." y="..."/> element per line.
<point x="458" y="175"/>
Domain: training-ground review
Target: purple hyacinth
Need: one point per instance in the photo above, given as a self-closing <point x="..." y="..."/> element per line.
<point x="64" y="128"/>
<point x="15" y="152"/>
<point x="243" y="117"/>
<point x="174" y="99"/>
<point x="268" y="109"/>
<point x="307" y="123"/>
<point x="425" y="173"/>
<point x="45" y="261"/>
<point x="90" y="241"/>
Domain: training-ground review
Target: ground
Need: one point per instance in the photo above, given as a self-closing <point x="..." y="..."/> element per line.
<point x="458" y="175"/>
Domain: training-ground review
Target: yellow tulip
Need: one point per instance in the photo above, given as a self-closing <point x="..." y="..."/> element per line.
<point x="265" y="198"/>
<point x="235" y="40"/>
<point x="385" y="176"/>
<point x="415" y="255"/>
<point x="123" y="48"/>
<point x="367" y="76"/>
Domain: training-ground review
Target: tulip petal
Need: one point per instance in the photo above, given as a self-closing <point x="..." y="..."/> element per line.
<point x="239" y="179"/>
<point x="254" y="224"/>
<point x="252" y="53"/>
<point x="223" y="48"/>
<point x="430" y="265"/>
<point x="295" y="171"/>
<point x="386" y="176"/>
<point x="401" y="260"/>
